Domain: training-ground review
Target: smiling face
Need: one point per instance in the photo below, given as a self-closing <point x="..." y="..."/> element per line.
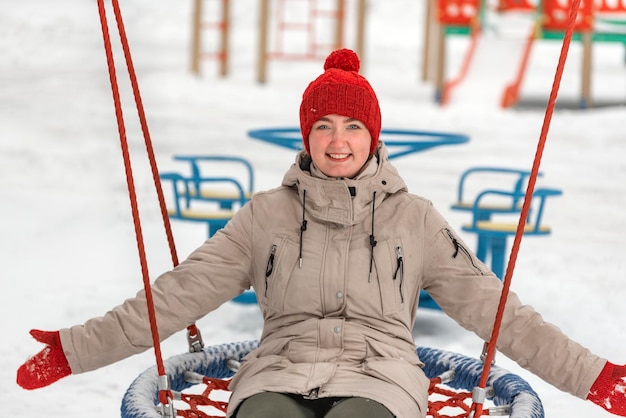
<point x="339" y="145"/>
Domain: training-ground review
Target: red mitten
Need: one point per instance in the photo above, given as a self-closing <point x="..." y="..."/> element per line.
<point x="609" y="389"/>
<point x="47" y="366"/>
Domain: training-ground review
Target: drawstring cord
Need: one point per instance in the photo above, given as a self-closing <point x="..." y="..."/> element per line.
<point x="372" y="240"/>
<point x="302" y="226"/>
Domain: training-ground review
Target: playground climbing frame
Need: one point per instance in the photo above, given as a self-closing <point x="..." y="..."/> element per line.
<point x="596" y="21"/>
<point x="320" y="25"/>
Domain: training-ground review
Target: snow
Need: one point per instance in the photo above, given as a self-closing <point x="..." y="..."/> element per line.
<point x="68" y="250"/>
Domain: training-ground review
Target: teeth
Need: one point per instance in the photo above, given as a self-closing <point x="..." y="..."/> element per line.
<point x="338" y="156"/>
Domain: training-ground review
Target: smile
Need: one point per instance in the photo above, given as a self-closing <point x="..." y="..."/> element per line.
<point x="338" y="156"/>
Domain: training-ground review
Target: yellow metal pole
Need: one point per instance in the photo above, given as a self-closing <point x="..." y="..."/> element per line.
<point x="225" y="38"/>
<point x="360" y="30"/>
<point x="339" y="23"/>
<point x="196" y="46"/>
<point x="427" y="48"/>
<point x="262" y="45"/>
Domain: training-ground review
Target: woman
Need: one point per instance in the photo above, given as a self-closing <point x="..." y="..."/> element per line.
<point x="337" y="256"/>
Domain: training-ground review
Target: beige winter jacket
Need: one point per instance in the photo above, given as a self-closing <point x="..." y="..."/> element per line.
<point x="337" y="265"/>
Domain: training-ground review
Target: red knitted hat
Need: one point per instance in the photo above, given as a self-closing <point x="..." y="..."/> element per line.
<point x="341" y="90"/>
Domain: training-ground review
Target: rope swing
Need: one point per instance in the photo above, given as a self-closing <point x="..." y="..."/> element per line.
<point x="508" y="276"/>
<point x="165" y="395"/>
<point x="210" y="366"/>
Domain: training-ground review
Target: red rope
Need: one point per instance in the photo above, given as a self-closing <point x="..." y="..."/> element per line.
<point x="455" y="403"/>
<point x="450" y="400"/>
<point x="491" y="346"/>
<point x="146" y="133"/>
<point x="164" y="395"/>
<point x="203" y="399"/>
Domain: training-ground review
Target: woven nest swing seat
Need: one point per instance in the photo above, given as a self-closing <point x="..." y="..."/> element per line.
<point x="510" y="395"/>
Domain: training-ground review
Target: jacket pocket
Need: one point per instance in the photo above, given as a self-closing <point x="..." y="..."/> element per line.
<point x="275" y="259"/>
<point x="269" y="269"/>
<point x="399" y="273"/>
<point x="390" y="269"/>
<point x="459" y="250"/>
<point x="287" y="288"/>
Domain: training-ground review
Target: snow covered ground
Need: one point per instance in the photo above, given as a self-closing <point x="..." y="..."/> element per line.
<point x="67" y="246"/>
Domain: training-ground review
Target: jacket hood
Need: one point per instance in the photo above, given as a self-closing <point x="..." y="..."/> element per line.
<point x="341" y="200"/>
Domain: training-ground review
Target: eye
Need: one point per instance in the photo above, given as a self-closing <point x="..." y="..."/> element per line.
<point x="321" y="126"/>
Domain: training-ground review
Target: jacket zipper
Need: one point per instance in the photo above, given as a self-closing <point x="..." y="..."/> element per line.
<point x="459" y="247"/>
<point x="270" y="267"/>
<point x="313" y="394"/>
<point x="399" y="270"/>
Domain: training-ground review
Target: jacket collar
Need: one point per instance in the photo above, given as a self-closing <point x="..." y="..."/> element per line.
<point x="330" y="199"/>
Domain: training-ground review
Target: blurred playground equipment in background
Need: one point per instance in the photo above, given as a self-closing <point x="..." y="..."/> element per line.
<point x="316" y="27"/>
<point x="596" y="21"/>
<point x="310" y="29"/>
<point x="494" y="197"/>
<point x="210" y="189"/>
